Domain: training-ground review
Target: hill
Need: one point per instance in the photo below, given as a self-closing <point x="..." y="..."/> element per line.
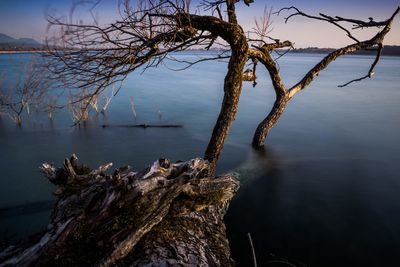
<point x="8" y="43"/>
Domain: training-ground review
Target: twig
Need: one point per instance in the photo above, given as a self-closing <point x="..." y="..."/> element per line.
<point x="252" y="250"/>
<point x="283" y="262"/>
<point x="371" y="69"/>
<point x="133" y="107"/>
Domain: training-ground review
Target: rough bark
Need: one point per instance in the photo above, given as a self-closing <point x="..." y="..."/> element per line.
<point x="269" y="122"/>
<point x="168" y="215"/>
<point x="232" y="90"/>
<point x="282" y="97"/>
<point x="234" y="35"/>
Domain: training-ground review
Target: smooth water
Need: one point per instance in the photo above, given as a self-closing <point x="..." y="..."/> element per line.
<point x="325" y="192"/>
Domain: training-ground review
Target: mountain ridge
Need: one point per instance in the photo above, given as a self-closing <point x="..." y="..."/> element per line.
<point x="8" y="41"/>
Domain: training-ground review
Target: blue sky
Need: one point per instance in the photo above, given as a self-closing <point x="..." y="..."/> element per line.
<point x="26" y="18"/>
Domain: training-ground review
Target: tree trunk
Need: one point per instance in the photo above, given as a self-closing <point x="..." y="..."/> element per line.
<point x="19" y="120"/>
<point x="169" y="215"/>
<point x="232" y="90"/>
<point x="269" y="122"/>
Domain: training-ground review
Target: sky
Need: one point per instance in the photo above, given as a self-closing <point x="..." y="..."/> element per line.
<point x="26" y="18"/>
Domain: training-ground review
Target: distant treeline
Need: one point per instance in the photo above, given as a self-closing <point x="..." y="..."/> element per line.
<point x="7" y="47"/>
<point x="388" y="50"/>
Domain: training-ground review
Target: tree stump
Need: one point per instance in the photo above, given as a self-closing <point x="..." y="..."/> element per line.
<point x="171" y="214"/>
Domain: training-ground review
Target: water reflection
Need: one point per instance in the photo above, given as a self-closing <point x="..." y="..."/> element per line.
<point x="259" y="162"/>
<point x="1" y="123"/>
<point x="50" y="125"/>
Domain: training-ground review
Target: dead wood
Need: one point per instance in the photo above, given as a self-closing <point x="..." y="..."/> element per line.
<point x="171" y="214"/>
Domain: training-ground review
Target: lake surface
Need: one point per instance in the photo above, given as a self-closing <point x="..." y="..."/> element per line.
<point x="325" y="192"/>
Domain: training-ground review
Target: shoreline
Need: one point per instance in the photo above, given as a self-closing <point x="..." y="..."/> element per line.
<point x="9" y="52"/>
<point x="22" y="52"/>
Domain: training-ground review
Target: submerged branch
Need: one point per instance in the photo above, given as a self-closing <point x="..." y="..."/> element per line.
<point x="144" y="125"/>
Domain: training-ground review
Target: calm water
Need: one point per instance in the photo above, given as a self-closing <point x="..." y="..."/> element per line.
<point x="325" y="192"/>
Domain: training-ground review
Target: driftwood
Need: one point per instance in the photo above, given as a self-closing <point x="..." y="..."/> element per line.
<point x="171" y="214"/>
<point x="144" y="125"/>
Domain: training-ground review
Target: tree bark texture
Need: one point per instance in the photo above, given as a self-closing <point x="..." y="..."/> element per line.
<point x="171" y="214"/>
<point x="282" y="97"/>
<point x="269" y="122"/>
<point x="232" y="90"/>
<point x="234" y="35"/>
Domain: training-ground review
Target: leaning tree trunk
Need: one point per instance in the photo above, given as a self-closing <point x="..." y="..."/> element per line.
<point x="168" y="215"/>
<point x="232" y="90"/>
<point x="269" y="122"/>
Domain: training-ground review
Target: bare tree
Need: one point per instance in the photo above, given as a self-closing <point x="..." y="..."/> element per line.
<point x="50" y="105"/>
<point x="93" y="56"/>
<point x="29" y="90"/>
<point x="261" y="52"/>
<point x="79" y="103"/>
<point x="107" y="100"/>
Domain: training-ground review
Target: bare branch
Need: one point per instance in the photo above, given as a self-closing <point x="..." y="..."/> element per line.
<point x="371" y="69"/>
<point x="376" y="40"/>
<point x="265" y="58"/>
<point x="219" y="57"/>
<point x="263" y="25"/>
<point x="29" y="90"/>
<point x="322" y="17"/>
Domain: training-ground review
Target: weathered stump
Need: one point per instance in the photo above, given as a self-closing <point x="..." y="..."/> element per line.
<point x="168" y="215"/>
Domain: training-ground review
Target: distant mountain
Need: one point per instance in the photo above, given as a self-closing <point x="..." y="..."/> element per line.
<point x="5" y="38"/>
<point x="8" y="43"/>
<point x="28" y="41"/>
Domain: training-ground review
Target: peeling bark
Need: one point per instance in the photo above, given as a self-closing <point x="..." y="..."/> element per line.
<point x="171" y="214"/>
